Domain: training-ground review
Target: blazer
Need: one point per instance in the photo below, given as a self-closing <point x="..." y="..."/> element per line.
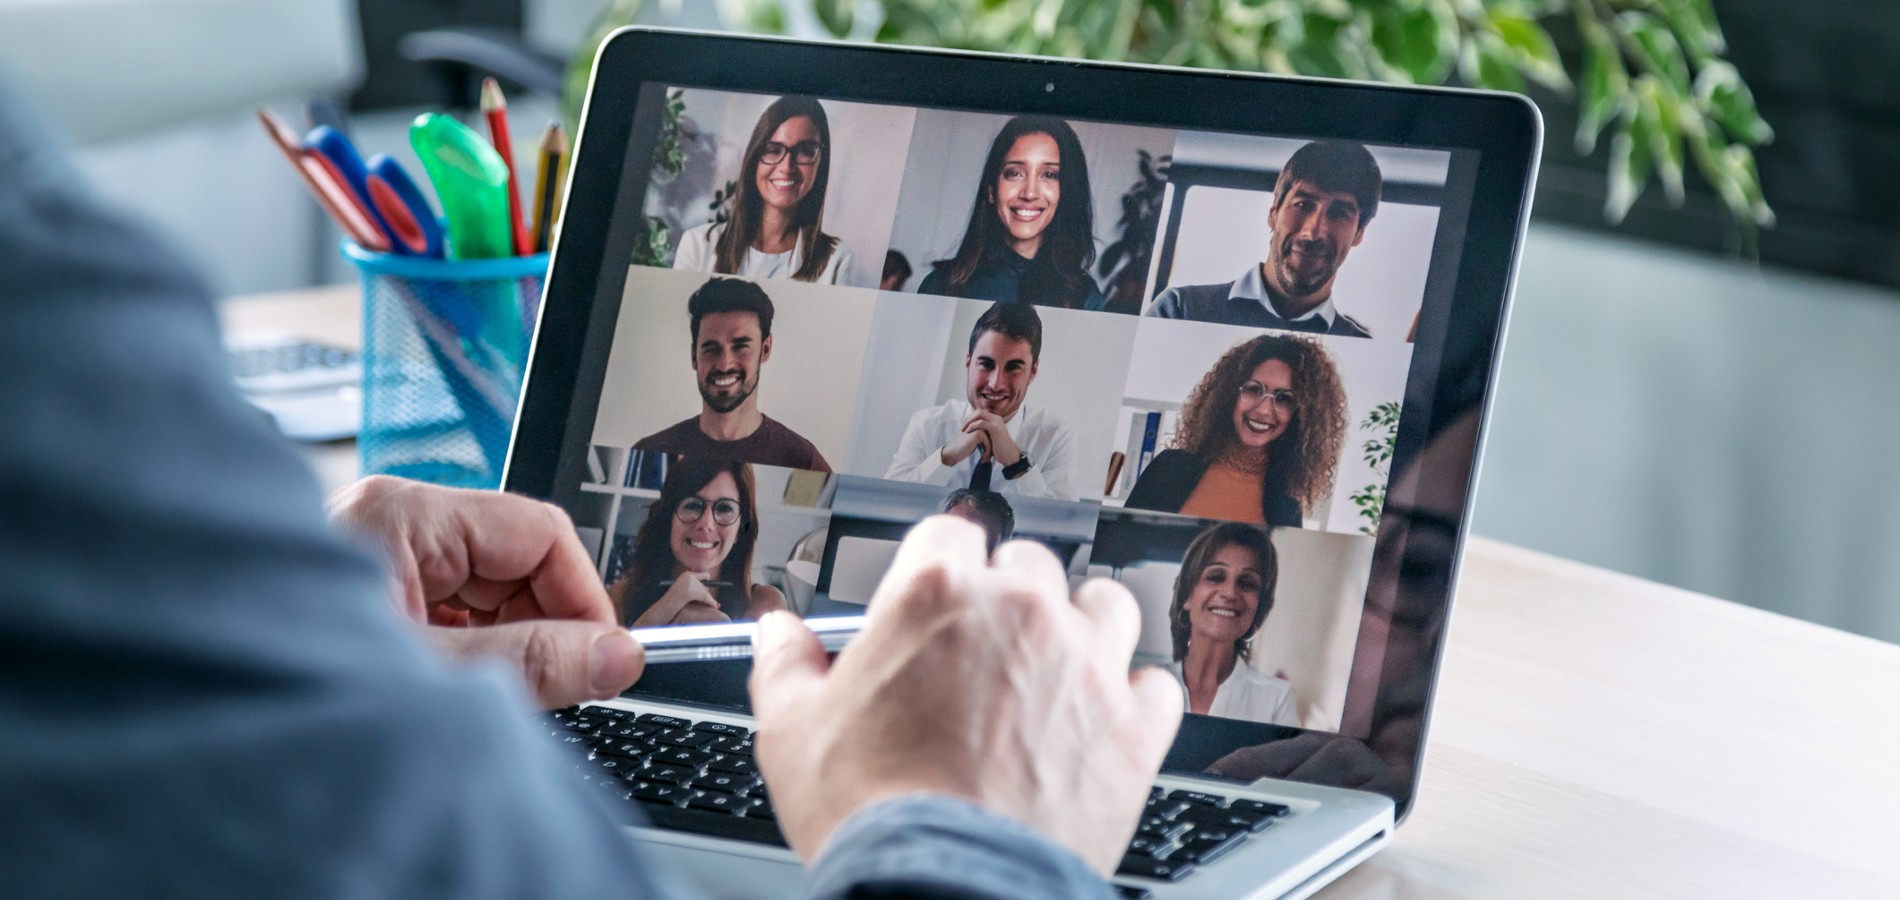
<point x="1172" y="475"/>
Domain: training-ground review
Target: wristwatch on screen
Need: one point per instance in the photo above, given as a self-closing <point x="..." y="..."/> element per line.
<point x="1017" y="469"/>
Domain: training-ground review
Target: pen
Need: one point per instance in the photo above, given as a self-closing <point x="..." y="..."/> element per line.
<point x="711" y="584"/>
<point x="321" y="177"/>
<point x="547" y="184"/>
<point x="495" y="110"/>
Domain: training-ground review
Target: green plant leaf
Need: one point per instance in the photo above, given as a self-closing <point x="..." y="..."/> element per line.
<point x="1420" y="42"/>
<point x="1658" y="107"/>
<point x="1487" y="62"/>
<point x="836" y="15"/>
<point x="1629" y="165"/>
<point x="1729" y="102"/>
<point x="1655" y="46"/>
<point x="1535" y="53"/>
<point x="1742" y="161"/>
<point x="1605" y="85"/>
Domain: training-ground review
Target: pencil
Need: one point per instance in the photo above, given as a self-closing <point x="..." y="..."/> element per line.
<point x="495" y="110"/>
<point x="547" y="184"/>
<point x="332" y="193"/>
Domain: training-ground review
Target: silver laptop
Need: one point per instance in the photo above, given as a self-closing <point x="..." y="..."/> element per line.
<point x="1226" y="339"/>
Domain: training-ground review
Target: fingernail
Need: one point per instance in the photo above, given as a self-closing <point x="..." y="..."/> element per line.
<point x="614" y="663"/>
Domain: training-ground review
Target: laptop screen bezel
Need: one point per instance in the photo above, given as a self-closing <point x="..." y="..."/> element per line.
<point x="587" y="273"/>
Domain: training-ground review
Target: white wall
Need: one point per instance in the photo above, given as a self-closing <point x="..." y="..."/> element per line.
<point x="868" y="143"/>
<point x="1171" y="357"/>
<point x="946" y="163"/>
<point x="1308" y="637"/>
<point x="918" y="348"/>
<point x="1702" y="422"/>
<point x="810" y="384"/>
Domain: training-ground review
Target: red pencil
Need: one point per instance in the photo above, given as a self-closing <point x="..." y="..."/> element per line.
<point x="331" y="191"/>
<point x="495" y="110"/>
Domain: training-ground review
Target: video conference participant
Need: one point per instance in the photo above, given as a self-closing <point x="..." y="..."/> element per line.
<point x="776" y="223"/>
<point x="1221" y="598"/>
<point x="988" y="509"/>
<point x="991" y="441"/>
<point x="1322" y="201"/>
<point x="692" y="558"/>
<point x="732" y="341"/>
<point x="1031" y="235"/>
<point x="896" y="271"/>
<point x="1259" y="438"/>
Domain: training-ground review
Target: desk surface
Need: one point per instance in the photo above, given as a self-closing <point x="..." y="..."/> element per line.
<point x="1595" y="735"/>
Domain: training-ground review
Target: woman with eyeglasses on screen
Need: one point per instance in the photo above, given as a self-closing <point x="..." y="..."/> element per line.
<point x="692" y="558"/>
<point x="1259" y="437"/>
<point x="1031" y="235"/>
<point x="1221" y="598"/>
<point x="775" y="220"/>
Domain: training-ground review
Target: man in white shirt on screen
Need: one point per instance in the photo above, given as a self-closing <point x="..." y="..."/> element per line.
<point x="992" y="441"/>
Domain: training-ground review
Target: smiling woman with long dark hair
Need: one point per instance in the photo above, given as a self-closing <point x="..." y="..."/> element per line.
<point x="1031" y="234"/>
<point x="692" y="558"/>
<point x="775" y="224"/>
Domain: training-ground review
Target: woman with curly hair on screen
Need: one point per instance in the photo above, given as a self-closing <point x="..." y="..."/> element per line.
<point x="1259" y="438"/>
<point x="692" y="558"/>
<point x="1221" y="598"/>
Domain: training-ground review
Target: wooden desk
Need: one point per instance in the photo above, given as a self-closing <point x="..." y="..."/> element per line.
<point x="1596" y="735"/>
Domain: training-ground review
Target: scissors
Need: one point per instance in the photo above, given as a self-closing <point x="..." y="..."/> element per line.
<point x="386" y="191"/>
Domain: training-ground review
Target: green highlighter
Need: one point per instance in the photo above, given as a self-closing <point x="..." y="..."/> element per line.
<point x="471" y="181"/>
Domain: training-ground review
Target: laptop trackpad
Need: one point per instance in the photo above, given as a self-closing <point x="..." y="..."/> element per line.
<point x="728" y="869"/>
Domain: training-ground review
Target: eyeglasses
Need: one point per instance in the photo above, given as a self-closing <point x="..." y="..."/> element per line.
<point x="804" y="153"/>
<point x="725" y="511"/>
<point x="1255" y="392"/>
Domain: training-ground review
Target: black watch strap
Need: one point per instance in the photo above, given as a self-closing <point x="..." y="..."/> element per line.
<point x="1017" y="469"/>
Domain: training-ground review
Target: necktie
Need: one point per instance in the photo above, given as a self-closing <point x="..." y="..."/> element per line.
<point x="980" y="479"/>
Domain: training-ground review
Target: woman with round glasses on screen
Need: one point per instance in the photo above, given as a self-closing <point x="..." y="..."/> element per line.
<point x="775" y="220"/>
<point x="1259" y="437"/>
<point x="1221" y="598"/>
<point x="1031" y="234"/>
<point x="692" y="558"/>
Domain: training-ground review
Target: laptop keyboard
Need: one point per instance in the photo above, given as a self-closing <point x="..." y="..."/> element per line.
<point x="699" y="777"/>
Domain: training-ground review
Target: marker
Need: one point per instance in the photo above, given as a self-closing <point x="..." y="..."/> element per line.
<point x="471" y="181"/>
<point x="495" y="110"/>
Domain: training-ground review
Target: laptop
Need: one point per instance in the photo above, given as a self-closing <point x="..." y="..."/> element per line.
<point x="1227" y="339"/>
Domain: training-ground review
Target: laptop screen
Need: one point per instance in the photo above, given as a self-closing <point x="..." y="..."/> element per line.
<point x="1176" y="357"/>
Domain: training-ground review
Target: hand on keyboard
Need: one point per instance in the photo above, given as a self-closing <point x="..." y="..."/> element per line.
<point x="976" y="678"/>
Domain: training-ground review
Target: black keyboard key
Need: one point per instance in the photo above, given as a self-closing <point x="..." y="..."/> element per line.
<point x="1152" y="848"/>
<point x="662" y="721"/>
<point x="668" y="775"/>
<point x="1208" y="844"/>
<point x="1160" y="869"/>
<point x="749" y="827"/>
<point x="1156" y="792"/>
<point x="1272" y="809"/>
<point x="1165" y="809"/>
<point x="681" y="737"/>
<point x="737" y="765"/>
<point x="763" y="810"/>
<point x="607" y="712"/>
<point x="1198" y="797"/>
<point x="623" y="731"/>
<point x="712" y="801"/>
<point x="1163" y="830"/>
<point x="583" y="727"/>
<point x="614" y="787"/>
<point x="684" y="757"/>
<point x="1205" y="817"/>
<point x="725" y="782"/>
<point x="1249" y="819"/>
<point x="1131" y="892"/>
<point x="738" y="746"/>
<point x="616" y="766"/>
<point x="577" y="741"/>
<point x="625" y="749"/>
<point x="668" y="794"/>
<point x="721" y="728"/>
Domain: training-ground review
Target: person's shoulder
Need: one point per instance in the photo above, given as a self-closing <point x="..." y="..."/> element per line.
<point x="1257" y="680"/>
<point x="776" y="432"/>
<point x="1174" y="461"/>
<point x="670" y="437"/>
<point x="1195" y="302"/>
<point x="1347" y="326"/>
<point x="933" y="282"/>
<point x="695" y="248"/>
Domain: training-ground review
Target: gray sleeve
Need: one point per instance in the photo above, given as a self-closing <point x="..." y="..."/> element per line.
<point x="942" y="848"/>
<point x="206" y="691"/>
<point x="1166" y="306"/>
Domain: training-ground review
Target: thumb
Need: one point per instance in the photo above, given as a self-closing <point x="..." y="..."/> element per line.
<point x="787" y="660"/>
<point x="1158" y="699"/>
<point x="563" y="662"/>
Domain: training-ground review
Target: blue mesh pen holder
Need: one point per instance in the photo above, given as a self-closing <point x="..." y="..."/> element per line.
<point x="444" y="347"/>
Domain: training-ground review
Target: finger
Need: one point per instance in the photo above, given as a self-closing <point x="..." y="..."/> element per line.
<point x="1158" y="697"/>
<point x="1112" y="612"/>
<point x="1034" y="563"/>
<point x="563" y="663"/>
<point x="787" y="660"/>
<point x="508" y="538"/>
<point x="934" y="550"/>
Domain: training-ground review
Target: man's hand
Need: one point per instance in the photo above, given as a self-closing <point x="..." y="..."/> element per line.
<point x="975" y="678"/>
<point x="511" y="565"/>
<point x="960" y="447"/>
<point x="996" y="437"/>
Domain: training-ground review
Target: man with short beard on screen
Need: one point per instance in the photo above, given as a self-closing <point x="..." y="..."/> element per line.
<point x="1323" y="199"/>
<point x="732" y="340"/>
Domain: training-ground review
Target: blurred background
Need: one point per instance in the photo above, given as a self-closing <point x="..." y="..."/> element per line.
<point x="1699" y="374"/>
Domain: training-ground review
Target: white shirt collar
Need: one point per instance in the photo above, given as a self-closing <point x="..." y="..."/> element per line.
<point x="1252" y="286"/>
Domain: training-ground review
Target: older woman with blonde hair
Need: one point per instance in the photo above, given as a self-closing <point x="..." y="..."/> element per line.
<point x="1259" y="438"/>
